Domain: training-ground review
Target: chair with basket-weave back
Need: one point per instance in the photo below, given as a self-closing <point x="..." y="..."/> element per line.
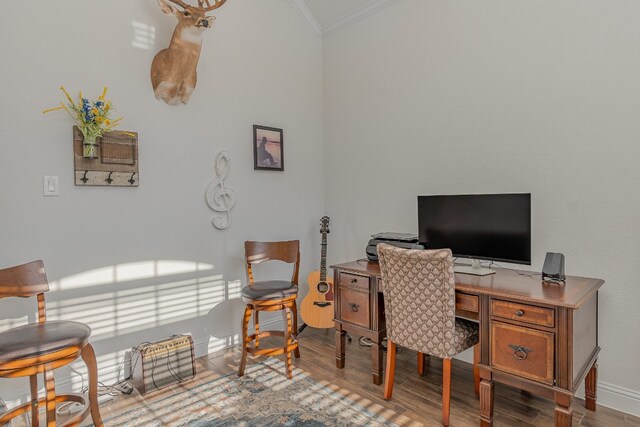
<point x="420" y="305"/>
<point x="39" y="348"/>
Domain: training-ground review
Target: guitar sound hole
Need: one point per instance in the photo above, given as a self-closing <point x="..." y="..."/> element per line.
<point x="323" y="287"/>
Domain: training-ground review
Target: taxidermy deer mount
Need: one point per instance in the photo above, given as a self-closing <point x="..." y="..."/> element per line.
<point x="173" y="70"/>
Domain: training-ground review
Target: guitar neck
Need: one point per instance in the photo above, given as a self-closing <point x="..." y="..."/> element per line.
<point x="323" y="259"/>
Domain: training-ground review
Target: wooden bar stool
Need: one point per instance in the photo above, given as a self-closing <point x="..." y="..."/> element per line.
<point x="272" y="295"/>
<point x="39" y="348"/>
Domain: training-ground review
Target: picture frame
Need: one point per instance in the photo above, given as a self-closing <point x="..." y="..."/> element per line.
<point x="268" y="148"/>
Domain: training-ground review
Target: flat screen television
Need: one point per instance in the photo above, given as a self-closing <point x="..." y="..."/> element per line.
<point x="495" y="227"/>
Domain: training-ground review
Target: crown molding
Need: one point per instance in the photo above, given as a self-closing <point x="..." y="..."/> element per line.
<point x="307" y="16"/>
<point x="362" y="13"/>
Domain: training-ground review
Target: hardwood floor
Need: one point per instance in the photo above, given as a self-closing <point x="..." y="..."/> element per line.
<point x="416" y="400"/>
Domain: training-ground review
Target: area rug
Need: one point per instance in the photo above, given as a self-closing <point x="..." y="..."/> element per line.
<point x="263" y="397"/>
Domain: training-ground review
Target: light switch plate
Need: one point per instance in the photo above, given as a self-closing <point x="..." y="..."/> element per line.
<point x="50" y="186"/>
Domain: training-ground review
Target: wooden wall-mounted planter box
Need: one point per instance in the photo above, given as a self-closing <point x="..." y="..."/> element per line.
<point x="117" y="162"/>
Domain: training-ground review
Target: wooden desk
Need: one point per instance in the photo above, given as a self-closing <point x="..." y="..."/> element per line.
<point x="539" y="337"/>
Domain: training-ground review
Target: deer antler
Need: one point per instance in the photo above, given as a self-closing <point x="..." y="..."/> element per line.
<point x="180" y="3"/>
<point x="209" y="8"/>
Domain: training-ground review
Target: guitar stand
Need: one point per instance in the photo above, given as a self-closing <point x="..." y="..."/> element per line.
<point x="304" y="325"/>
<point x="301" y="328"/>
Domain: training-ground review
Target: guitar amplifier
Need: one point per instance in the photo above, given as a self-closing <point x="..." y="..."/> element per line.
<point x="159" y="364"/>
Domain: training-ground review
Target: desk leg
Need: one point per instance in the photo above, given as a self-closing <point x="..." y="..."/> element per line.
<point x="591" y="387"/>
<point x="486" y="399"/>
<point x="563" y="412"/>
<point x="376" y="362"/>
<point x="340" y="344"/>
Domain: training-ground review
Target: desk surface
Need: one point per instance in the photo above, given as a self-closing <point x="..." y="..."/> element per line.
<point x="508" y="284"/>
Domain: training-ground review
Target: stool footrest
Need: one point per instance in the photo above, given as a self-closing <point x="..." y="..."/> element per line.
<point x="272" y="351"/>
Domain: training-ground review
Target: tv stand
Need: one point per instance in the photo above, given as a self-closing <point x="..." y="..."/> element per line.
<point x="475" y="268"/>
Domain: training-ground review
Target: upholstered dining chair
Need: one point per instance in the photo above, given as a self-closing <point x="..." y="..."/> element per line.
<point x="39" y="348"/>
<point x="420" y="304"/>
<point x="271" y="295"/>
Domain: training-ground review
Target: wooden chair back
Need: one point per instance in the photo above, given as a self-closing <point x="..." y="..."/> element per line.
<point x="25" y="281"/>
<point x="259" y="252"/>
<point x="419" y="298"/>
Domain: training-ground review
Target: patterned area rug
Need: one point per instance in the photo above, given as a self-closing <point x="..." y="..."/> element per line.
<point x="263" y="397"/>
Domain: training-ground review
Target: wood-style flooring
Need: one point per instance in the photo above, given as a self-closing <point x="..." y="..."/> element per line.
<point x="416" y="400"/>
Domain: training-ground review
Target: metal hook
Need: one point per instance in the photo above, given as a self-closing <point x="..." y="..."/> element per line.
<point x="109" y="180"/>
<point x="84" y="178"/>
<point x="131" y="180"/>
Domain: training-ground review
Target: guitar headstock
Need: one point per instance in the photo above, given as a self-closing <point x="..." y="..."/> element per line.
<point x="324" y="225"/>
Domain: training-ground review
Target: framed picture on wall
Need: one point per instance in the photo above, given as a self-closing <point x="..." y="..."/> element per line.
<point x="268" y="151"/>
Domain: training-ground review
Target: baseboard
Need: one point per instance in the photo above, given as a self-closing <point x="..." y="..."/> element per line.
<point x="619" y="398"/>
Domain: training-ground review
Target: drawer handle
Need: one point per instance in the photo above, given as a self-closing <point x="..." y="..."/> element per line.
<point x="354" y="307"/>
<point x="519" y="313"/>
<point x="520" y="352"/>
<point x="354" y="280"/>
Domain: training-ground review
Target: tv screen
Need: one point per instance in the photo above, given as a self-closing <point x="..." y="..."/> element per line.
<point x="493" y="227"/>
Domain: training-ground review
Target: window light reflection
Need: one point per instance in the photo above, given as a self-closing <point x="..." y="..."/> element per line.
<point x="144" y="35"/>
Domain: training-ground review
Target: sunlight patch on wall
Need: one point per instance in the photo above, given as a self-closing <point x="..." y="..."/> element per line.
<point x="99" y="276"/>
<point x="135" y="271"/>
<point x="234" y="288"/>
<point x="128" y="272"/>
<point x="166" y="268"/>
<point x="130" y="310"/>
<point x="216" y="344"/>
<point x="12" y="323"/>
<point x="125" y="304"/>
<point x="144" y="35"/>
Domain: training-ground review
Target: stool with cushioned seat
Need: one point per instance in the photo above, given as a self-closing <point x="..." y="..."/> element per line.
<point x="39" y="348"/>
<point x="272" y="295"/>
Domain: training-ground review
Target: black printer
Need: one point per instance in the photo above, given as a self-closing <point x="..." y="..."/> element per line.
<point x="401" y="240"/>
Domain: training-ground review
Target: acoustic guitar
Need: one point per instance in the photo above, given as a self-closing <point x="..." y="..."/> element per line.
<point x="317" y="307"/>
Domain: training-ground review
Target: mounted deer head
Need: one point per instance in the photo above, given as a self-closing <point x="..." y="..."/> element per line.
<point x="173" y="70"/>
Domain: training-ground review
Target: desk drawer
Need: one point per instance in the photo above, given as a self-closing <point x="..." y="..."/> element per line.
<point x="354" y="299"/>
<point x="532" y="314"/>
<point x="353" y="281"/>
<point x="466" y="302"/>
<point x="525" y="352"/>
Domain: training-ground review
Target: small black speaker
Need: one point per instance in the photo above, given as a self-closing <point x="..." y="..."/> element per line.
<point x="553" y="269"/>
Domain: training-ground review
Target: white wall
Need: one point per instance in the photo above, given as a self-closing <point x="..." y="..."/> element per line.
<point x="450" y="97"/>
<point x="151" y="245"/>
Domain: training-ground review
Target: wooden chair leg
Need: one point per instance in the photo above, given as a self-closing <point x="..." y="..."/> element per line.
<point x="50" y="390"/>
<point x="89" y="358"/>
<point x="35" y="417"/>
<point x="256" y="326"/>
<point x="295" y="327"/>
<point x="245" y="339"/>
<point x="446" y="391"/>
<point x="420" y="363"/>
<point x="476" y="369"/>
<point x="288" y="325"/>
<point x="391" y="369"/>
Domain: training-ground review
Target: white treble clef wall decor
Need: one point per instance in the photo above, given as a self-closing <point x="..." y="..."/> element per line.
<point x="218" y="197"/>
